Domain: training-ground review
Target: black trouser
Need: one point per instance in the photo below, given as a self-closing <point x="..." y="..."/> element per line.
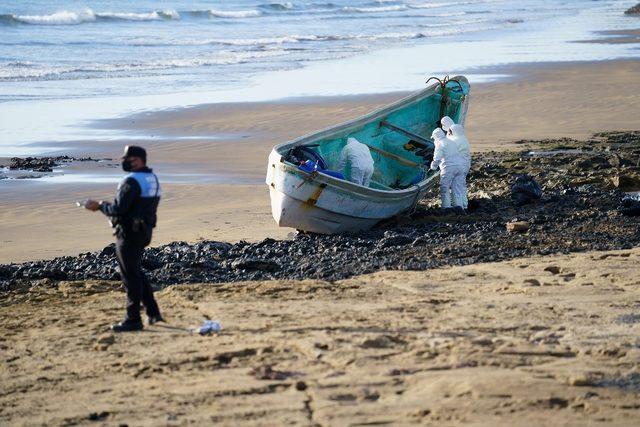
<point x="139" y="289"/>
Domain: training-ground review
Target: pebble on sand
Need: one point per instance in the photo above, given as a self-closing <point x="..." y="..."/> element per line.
<point x="580" y="380"/>
<point x="553" y="269"/>
<point x="627" y="182"/>
<point x="104" y="341"/>
<point x="517" y="226"/>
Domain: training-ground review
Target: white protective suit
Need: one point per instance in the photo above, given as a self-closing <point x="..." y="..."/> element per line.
<point x="446" y="123"/>
<point x="356" y="155"/>
<point x="452" y="167"/>
<point x="459" y="186"/>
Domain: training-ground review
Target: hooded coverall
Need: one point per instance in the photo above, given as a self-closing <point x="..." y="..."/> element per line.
<point x="446" y="123"/>
<point x="452" y="167"/>
<point x="459" y="185"/>
<point x="356" y="155"/>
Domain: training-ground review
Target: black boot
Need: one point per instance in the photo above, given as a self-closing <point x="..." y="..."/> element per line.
<point x="155" y="319"/>
<point x="127" y="326"/>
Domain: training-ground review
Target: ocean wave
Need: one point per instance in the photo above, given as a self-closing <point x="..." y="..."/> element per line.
<point x="450" y="14"/>
<point x="233" y="13"/>
<point x="323" y="6"/>
<point x="64" y="17"/>
<point x="328" y="38"/>
<point x="221" y="58"/>
<point x="432" y="5"/>
<point x="262" y="41"/>
<point x="380" y="9"/>
<point x="26" y="71"/>
<point x="151" y="16"/>
<point x="292" y="39"/>
<point x="67" y="17"/>
<point x="433" y="29"/>
<point x="278" y="6"/>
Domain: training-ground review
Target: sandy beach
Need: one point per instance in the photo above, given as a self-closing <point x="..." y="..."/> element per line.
<point x="537" y="341"/>
<point x="39" y="220"/>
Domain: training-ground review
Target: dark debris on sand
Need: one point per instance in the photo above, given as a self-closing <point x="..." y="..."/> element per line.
<point x="45" y="164"/>
<point x="583" y="184"/>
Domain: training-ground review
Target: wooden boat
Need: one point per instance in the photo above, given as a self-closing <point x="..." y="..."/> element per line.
<point x="320" y="203"/>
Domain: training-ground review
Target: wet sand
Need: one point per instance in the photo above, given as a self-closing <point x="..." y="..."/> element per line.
<point x="39" y="221"/>
<point x="617" y="37"/>
<point x="536" y="341"/>
<point x="539" y="101"/>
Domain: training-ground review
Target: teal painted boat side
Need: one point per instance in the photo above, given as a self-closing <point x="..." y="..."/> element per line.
<point x="418" y="113"/>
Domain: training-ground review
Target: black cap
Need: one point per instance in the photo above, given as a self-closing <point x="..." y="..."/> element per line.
<point x="135" y="151"/>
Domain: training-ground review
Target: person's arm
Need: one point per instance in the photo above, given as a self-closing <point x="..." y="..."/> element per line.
<point x="342" y="159"/>
<point x="438" y="155"/>
<point x="127" y="192"/>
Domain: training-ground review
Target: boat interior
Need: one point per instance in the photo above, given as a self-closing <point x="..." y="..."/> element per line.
<point x="400" y="140"/>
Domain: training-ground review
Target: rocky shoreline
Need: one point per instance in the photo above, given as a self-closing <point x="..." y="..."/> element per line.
<point x="42" y="165"/>
<point x="45" y="164"/>
<point x="584" y="183"/>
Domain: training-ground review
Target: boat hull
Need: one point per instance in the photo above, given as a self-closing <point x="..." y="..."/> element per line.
<point x="321" y="204"/>
<point x="291" y="212"/>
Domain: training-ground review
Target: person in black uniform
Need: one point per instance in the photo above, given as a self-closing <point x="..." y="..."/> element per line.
<point x="133" y="217"/>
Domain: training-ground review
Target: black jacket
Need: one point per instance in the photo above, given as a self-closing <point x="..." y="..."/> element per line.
<point x="135" y="206"/>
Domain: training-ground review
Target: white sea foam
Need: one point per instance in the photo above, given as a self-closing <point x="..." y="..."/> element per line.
<point x="151" y="16"/>
<point x="234" y="13"/>
<point x="431" y="5"/>
<point x="374" y="9"/>
<point x="169" y="14"/>
<point x="67" y="17"/>
<point x="64" y="17"/>
<point x="266" y="40"/>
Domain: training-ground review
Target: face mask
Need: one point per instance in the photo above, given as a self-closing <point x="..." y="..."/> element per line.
<point x="126" y="165"/>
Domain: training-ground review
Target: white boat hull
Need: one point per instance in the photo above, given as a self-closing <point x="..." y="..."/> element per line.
<point x="320" y="204"/>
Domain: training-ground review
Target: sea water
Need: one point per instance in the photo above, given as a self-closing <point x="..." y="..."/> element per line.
<point x="65" y="63"/>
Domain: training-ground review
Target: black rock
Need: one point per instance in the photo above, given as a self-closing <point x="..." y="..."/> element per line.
<point x="44" y="164"/>
<point x="109" y="250"/>
<point x="391" y="239"/>
<point x="255" y="264"/>
<point x="525" y="189"/>
<point x="630" y="206"/>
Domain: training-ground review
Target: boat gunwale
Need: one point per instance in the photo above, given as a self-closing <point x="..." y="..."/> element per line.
<point x="351" y="187"/>
<point x="358" y="121"/>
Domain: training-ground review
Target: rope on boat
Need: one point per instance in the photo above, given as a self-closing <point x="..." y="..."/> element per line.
<point x="445" y="100"/>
